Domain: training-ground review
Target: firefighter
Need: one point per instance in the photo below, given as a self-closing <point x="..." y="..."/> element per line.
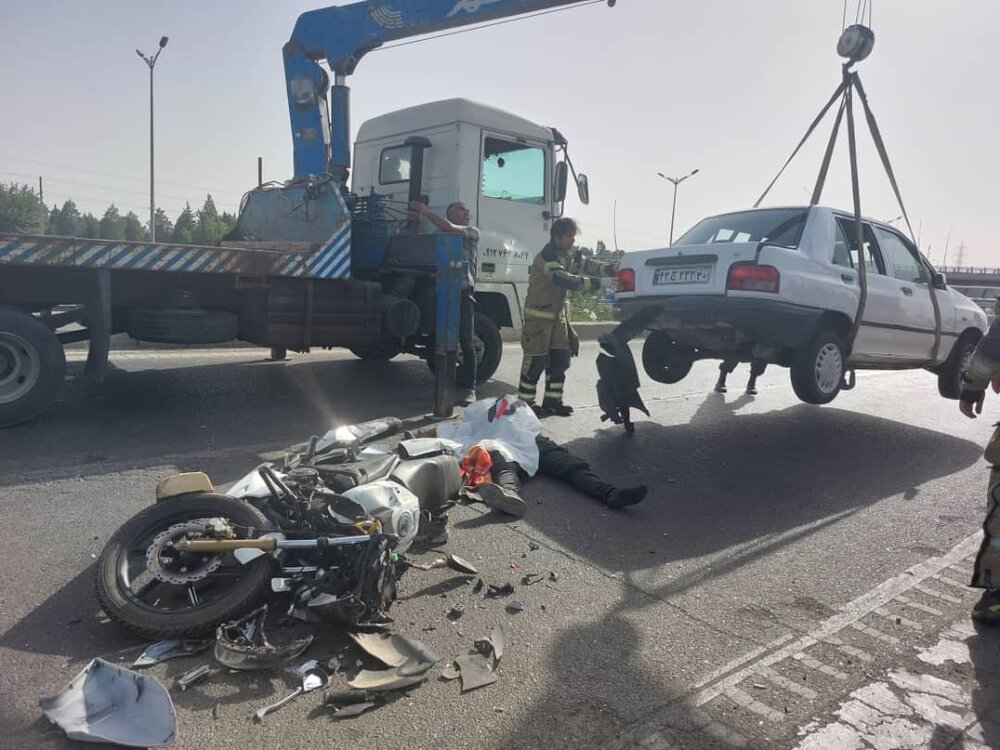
<point x="548" y="340"/>
<point x="982" y="370"/>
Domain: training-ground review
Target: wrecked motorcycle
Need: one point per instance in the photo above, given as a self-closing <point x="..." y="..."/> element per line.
<point x="323" y="526"/>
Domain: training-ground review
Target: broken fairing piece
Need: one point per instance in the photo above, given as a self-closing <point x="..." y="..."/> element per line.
<point x="514" y="608"/>
<point x="242" y="644"/>
<point x="313" y="678"/>
<point x="450" y="671"/>
<point x="352" y="710"/>
<point x="397" y="651"/>
<point x="476" y="670"/>
<point x="494" y="644"/>
<point x="389" y="679"/>
<point x="107" y="703"/>
<point x="495" y="592"/>
<point x="189" y="678"/>
<point x="452" y="561"/>
<point x="171" y="650"/>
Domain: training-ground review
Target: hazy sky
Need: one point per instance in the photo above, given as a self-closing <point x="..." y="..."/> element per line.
<point x="650" y="85"/>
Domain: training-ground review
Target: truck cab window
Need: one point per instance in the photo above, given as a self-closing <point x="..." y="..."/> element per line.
<point x="513" y="172"/>
<point x="394" y="166"/>
<point x="845" y="247"/>
<point x="900" y="260"/>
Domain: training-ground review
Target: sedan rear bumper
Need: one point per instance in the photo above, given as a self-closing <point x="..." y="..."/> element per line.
<point x="752" y="321"/>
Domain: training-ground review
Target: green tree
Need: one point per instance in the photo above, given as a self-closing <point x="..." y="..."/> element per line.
<point x="209" y="228"/>
<point x="112" y="226"/>
<point x="134" y="230"/>
<point x="21" y="210"/>
<point x="165" y="231"/>
<point x="184" y="227"/>
<point x="53" y="222"/>
<point x="90" y="227"/>
<point x="69" y="223"/>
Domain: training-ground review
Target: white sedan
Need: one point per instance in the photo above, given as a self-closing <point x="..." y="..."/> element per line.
<point x="782" y="285"/>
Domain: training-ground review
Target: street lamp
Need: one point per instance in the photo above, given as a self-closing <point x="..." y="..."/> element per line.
<point x="151" y="61"/>
<point x="673" y="210"/>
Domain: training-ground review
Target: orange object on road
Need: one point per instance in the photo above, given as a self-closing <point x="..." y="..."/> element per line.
<point x="476" y="466"/>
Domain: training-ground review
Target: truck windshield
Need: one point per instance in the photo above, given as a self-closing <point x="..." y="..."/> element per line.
<point x="782" y="226"/>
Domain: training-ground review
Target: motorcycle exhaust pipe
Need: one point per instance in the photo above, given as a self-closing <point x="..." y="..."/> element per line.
<point x="266" y="544"/>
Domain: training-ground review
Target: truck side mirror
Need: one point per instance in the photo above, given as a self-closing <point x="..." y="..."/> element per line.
<point x="939" y="280"/>
<point x="583" y="189"/>
<point x="562" y="179"/>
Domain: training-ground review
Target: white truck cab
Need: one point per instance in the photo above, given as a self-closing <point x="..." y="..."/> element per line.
<point x="507" y="170"/>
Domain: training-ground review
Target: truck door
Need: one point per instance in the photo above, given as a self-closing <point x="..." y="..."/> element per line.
<point x="513" y="206"/>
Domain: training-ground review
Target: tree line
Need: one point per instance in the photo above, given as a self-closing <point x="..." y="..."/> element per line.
<point x="22" y="211"/>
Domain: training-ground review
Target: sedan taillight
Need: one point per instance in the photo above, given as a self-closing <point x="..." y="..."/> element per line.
<point x="750" y="277"/>
<point x="625" y="280"/>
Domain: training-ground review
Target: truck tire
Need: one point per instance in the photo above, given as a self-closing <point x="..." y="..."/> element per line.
<point x="32" y="367"/>
<point x="664" y="360"/>
<point x="489" y="348"/>
<point x="375" y="353"/>
<point x="950" y="373"/>
<point x="817" y="371"/>
<point x="114" y="581"/>
<point x="181" y="326"/>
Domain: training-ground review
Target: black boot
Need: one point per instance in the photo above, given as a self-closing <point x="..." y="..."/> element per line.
<point x="504" y="492"/>
<point x="752" y="386"/>
<point x="622" y="496"/>
<point x="720" y="384"/>
<point x="556" y="408"/>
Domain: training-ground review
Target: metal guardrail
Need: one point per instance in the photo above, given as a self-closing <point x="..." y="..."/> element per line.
<point x="972" y="270"/>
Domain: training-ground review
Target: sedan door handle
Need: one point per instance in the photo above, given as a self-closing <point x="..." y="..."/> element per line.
<point x="847" y="278"/>
<point x="907" y="291"/>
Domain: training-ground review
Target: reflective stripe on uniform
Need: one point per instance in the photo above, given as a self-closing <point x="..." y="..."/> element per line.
<point x="531" y="312"/>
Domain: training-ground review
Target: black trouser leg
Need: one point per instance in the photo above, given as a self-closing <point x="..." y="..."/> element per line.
<point x="532" y="368"/>
<point x="757" y="368"/>
<point x="558" y="463"/>
<point x="726" y="368"/>
<point x="505" y="473"/>
<point x="555" y="377"/>
<point x="466" y="329"/>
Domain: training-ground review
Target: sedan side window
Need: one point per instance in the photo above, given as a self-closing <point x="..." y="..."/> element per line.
<point x="901" y="261"/>
<point x="845" y="248"/>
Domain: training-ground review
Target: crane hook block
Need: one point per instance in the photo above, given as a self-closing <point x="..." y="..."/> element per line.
<point x="856" y="43"/>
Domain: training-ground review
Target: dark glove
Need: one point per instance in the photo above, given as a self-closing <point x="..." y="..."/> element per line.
<point x="574" y="341"/>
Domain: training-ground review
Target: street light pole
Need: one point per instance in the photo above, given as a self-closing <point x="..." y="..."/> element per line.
<point x="673" y="209"/>
<point x="151" y="62"/>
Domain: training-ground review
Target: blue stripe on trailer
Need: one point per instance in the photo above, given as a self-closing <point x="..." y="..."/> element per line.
<point x="333" y="248"/>
<point x="190" y="259"/>
<point x="95" y="259"/>
<point x="8" y="247"/>
<point x="131" y="262"/>
<point x="118" y="255"/>
<point x="339" y="269"/>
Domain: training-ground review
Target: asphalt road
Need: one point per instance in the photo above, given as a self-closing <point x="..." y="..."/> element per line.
<point x="791" y="563"/>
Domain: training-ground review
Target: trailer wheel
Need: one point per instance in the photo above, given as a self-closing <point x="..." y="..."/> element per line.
<point x="32" y="367"/>
<point x="375" y="353"/>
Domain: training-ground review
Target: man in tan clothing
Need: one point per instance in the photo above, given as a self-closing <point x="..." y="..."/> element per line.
<point x="548" y="339"/>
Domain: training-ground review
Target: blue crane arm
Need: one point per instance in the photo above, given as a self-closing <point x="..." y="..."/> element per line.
<point x="342" y="35"/>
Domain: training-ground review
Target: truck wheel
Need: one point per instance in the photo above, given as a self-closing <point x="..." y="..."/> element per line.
<point x="664" y="360"/>
<point x="950" y="373"/>
<point x="489" y="350"/>
<point x="375" y="353"/>
<point x="818" y="370"/>
<point x="181" y="326"/>
<point x="32" y="367"/>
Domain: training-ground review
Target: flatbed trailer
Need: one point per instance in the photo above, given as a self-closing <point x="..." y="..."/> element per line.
<point x="60" y="290"/>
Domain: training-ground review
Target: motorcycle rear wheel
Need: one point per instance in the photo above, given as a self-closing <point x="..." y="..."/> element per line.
<point x="143" y="604"/>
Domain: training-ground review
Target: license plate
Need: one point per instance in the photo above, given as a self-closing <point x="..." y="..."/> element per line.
<point x="683" y="275"/>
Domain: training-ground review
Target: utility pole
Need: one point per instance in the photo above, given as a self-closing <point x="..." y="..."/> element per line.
<point x="673" y="209"/>
<point x="960" y="260"/>
<point x="151" y="62"/>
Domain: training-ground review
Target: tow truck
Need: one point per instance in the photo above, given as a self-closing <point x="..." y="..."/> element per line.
<point x="313" y="262"/>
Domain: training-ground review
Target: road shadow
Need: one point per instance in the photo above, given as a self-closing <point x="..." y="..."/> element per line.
<point x="139" y="416"/>
<point x="721" y="484"/>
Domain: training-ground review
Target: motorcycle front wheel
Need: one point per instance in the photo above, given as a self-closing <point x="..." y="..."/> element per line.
<point x="157" y="592"/>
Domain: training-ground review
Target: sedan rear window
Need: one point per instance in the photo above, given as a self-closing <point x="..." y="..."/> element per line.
<point x="783" y="226"/>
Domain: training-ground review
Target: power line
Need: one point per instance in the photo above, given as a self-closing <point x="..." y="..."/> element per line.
<point x="93" y="186"/>
<point x="117" y="176"/>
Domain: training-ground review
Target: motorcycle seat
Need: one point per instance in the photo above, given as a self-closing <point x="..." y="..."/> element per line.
<point x="342" y="477"/>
